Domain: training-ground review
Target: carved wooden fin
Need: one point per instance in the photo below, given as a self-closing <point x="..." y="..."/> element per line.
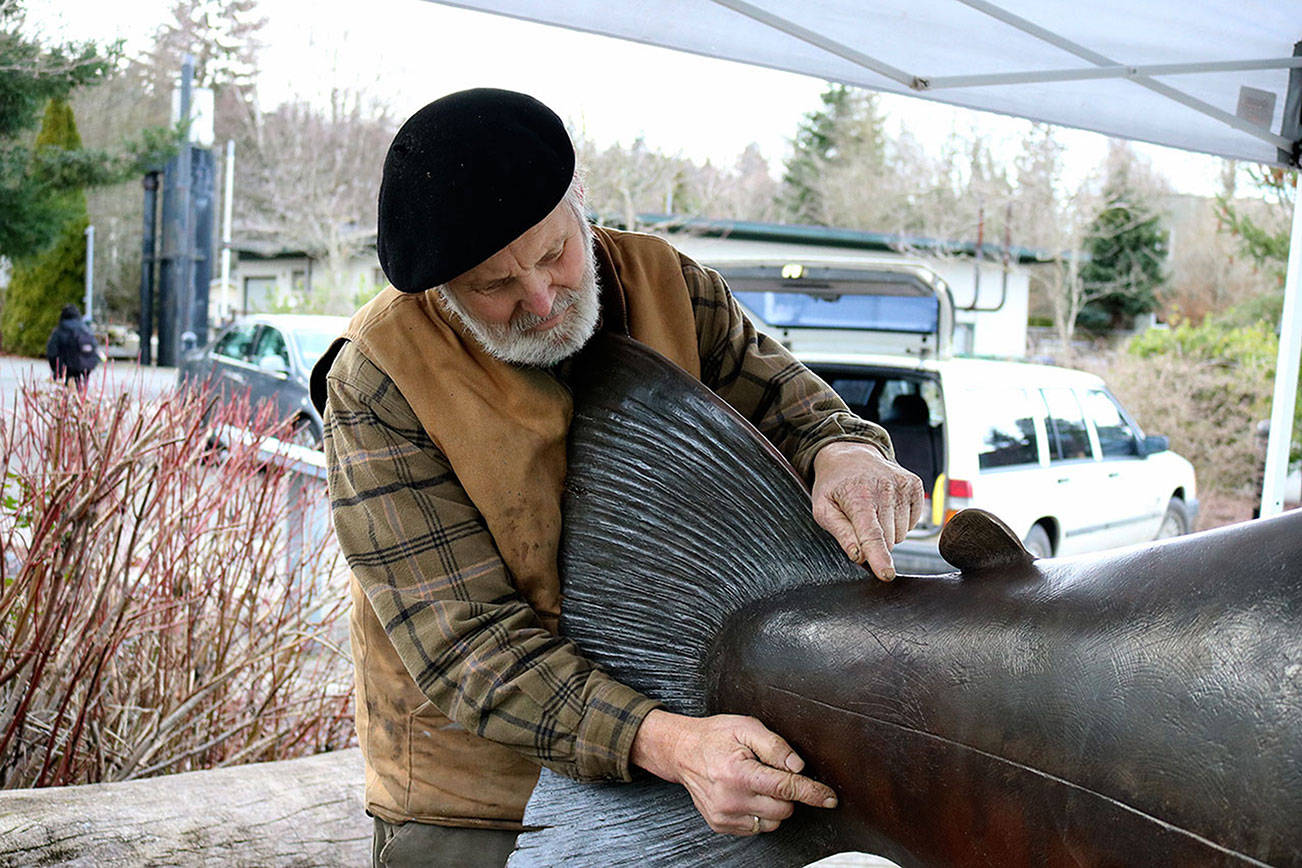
<point x="975" y="540"/>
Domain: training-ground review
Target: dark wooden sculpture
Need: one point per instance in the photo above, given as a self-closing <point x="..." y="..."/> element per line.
<point x="1140" y="706"/>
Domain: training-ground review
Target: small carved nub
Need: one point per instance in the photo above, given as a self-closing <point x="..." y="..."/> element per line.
<point x="976" y="540"/>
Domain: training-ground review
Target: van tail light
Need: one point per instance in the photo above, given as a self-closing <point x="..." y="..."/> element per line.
<point x="948" y="497"/>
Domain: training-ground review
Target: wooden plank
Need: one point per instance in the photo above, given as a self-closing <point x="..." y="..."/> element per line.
<point x="298" y="812"/>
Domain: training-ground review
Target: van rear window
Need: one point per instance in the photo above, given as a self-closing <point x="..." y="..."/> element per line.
<point x="887" y="313"/>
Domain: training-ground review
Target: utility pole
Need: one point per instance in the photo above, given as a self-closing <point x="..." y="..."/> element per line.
<point x="224" y="306"/>
<point x="87" y="314"/>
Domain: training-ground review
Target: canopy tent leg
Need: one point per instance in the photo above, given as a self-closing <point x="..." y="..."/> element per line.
<point x="1286" y="375"/>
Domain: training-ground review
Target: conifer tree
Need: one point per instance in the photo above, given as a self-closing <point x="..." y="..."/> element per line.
<point x="44" y="282"/>
<point x="31" y="181"/>
<point x="814" y="146"/>
<point x="1127" y="251"/>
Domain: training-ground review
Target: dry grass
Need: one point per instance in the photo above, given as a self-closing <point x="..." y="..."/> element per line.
<point x="1209" y="410"/>
<point x="151" y="617"/>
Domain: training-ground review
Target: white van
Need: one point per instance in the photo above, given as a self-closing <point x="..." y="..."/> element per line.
<point x="1048" y="450"/>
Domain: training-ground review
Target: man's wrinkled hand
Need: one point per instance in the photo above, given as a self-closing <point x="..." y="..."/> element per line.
<point x="866" y="502"/>
<point x="743" y="778"/>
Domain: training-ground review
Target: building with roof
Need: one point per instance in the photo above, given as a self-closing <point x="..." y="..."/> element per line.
<point x="989" y="286"/>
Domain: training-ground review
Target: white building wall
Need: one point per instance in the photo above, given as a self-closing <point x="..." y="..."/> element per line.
<point x="258" y="283"/>
<point x="998" y="325"/>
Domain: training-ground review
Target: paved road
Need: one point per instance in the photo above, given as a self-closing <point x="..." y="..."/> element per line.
<point x="15" y="370"/>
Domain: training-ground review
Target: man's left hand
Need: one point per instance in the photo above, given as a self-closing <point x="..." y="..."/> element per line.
<point x="866" y="502"/>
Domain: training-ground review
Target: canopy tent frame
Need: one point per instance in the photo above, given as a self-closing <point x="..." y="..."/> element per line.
<point x="1115" y="71"/>
<point x="1288" y="141"/>
<point x="1141" y="76"/>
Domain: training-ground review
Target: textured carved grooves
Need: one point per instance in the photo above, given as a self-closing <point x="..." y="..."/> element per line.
<point x="677" y="514"/>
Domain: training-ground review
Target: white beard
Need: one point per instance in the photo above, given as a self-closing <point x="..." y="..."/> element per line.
<point x="513" y="342"/>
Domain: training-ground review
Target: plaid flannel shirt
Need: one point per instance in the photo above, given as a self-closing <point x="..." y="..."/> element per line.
<point x="475" y="648"/>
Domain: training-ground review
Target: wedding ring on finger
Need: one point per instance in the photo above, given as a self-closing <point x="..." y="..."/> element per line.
<point x="754" y="825"/>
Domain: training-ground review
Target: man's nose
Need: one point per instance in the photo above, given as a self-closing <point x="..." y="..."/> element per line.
<point x="538" y="294"/>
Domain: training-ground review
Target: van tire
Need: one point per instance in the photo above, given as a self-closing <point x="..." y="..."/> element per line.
<point x="1038" y="542"/>
<point x="1176" y="520"/>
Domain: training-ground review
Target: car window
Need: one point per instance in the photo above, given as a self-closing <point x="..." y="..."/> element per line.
<point x="1116" y="437"/>
<point x="1008" y="437"/>
<point x="313" y="344"/>
<point x="887" y="400"/>
<point x="1068" y="437"/>
<point x="271" y="343"/>
<point x="235" y="343"/>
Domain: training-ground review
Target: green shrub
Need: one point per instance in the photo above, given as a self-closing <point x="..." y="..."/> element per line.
<point x="43" y="283"/>
<point x="1207" y="387"/>
<point x="39" y="289"/>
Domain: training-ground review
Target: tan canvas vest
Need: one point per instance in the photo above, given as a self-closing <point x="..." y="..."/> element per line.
<point x="503" y="429"/>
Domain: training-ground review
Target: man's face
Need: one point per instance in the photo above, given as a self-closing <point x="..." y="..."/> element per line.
<point x="535" y="302"/>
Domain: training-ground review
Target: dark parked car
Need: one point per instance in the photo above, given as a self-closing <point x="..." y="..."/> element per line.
<point x="269" y="357"/>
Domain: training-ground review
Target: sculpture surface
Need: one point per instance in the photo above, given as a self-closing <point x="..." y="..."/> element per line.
<point x="1136" y="706"/>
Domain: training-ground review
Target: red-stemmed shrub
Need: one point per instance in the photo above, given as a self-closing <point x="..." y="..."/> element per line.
<point x="157" y="614"/>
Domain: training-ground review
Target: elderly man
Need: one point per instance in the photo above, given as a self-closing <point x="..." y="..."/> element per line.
<point x="447" y="413"/>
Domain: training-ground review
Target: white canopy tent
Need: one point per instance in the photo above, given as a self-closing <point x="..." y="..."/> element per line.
<point x="1219" y="77"/>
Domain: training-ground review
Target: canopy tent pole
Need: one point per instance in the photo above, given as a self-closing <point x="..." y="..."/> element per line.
<point x="1286" y="376"/>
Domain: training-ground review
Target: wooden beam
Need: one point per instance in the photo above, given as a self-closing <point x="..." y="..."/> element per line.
<point x="304" y="812"/>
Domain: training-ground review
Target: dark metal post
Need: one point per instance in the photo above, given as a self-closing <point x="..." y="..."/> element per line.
<point x="147" y="247"/>
<point x="185" y="232"/>
<point x="174" y="280"/>
<point x="204" y="211"/>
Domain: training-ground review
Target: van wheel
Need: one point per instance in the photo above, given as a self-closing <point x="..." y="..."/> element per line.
<point x="1038" y="542"/>
<point x="1175" y="522"/>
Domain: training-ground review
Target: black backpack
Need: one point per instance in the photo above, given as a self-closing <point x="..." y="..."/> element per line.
<point x="82" y="352"/>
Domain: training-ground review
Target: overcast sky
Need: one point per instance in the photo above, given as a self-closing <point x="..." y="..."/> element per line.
<point x="405" y="53"/>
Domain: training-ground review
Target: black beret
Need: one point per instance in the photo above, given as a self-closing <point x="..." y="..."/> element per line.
<point x="464" y="177"/>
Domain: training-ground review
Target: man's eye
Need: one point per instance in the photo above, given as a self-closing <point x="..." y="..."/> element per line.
<point x="554" y="255"/>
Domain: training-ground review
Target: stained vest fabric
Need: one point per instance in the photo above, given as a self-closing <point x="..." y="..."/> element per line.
<point x="503" y="429"/>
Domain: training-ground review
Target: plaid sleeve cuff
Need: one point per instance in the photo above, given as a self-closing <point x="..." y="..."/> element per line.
<point x="840" y="427"/>
<point x="605" y="737"/>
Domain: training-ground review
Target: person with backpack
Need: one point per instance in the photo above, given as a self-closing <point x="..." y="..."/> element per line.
<point x="71" y="350"/>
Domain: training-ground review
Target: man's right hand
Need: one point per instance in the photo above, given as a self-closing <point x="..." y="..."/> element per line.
<point x="743" y="778"/>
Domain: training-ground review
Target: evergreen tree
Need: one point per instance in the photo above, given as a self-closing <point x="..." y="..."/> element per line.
<point x="814" y="147"/>
<point x="30" y="76"/>
<point x="31" y="181"/>
<point x="1265" y="241"/>
<point x="845" y="170"/>
<point x="1127" y="250"/>
<point x="42" y="284"/>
